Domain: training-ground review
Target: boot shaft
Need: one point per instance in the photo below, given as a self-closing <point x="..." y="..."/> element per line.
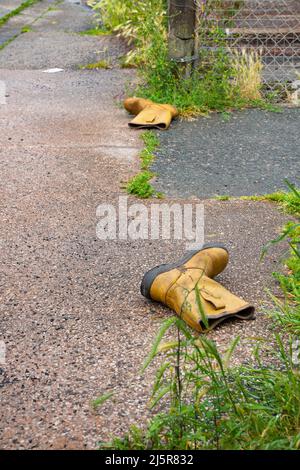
<point x="207" y="262"/>
<point x="187" y="288"/>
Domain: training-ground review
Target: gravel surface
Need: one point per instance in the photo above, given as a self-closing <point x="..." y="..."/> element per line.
<point x="72" y="317"/>
<point x="245" y="153"/>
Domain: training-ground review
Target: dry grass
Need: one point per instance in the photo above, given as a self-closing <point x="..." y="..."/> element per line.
<point x="248" y="67"/>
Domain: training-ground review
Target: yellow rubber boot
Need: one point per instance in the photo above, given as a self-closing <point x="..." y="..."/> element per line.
<point x="149" y="114"/>
<point x="175" y="284"/>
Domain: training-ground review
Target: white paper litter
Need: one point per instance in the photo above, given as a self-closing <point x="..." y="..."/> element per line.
<point x="53" y="70"/>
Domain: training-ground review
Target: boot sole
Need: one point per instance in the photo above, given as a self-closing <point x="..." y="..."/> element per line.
<point x="151" y="275"/>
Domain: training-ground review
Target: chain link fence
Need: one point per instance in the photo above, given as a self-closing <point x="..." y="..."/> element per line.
<point x="270" y="27"/>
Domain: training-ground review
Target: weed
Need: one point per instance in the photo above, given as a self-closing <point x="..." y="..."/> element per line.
<point x="112" y="13"/>
<point x="219" y="407"/>
<point x="19" y="9"/>
<point x="210" y="87"/>
<point x="151" y="142"/>
<point x="140" y="184"/>
<point x="226" y="116"/>
<point x="290" y="283"/>
<point x="289" y="201"/>
<point x="136" y="21"/>
<point x="95" y="32"/>
<point x="102" y="64"/>
<point x="286" y="315"/>
<point x="102" y="399"/>
<point x="125" y="63"/>
<point x="247" y="68"/>
<point x="26" y="29"/>
<point x="268" y="106"/>
<point x="287" y="312"/>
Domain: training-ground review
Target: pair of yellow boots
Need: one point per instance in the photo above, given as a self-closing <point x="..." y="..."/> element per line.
<point x="188" y="288"/>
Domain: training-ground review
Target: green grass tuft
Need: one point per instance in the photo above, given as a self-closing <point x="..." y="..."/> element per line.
<point x="151" y="142"/>
<point x="102" y="64"/>
<point x="140" y="185"/>
<point x="26" y="29"/>
<point x="95" y="32"/>
<point x="23" y="6"/>
<point x="102" y="399"/>
<point x="289" y="201"/>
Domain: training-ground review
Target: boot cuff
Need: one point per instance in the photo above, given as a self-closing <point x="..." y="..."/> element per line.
<point x="152" y="117"/>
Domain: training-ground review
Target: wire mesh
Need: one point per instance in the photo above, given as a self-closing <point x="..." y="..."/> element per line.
<point x="271" y="27"/>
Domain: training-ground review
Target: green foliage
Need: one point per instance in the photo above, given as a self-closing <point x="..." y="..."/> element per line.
<point x="164" y="327"/>
<point x="140" y="184"/>
<point x="95" y="32"/>
<point x="289" y="201"/>
<point x="203" y="316"/>
<point x="287" y="313"/>
<point x="207" y="88"/>
<point x="113" y="13"/>
<point x="135" y="21"/>
<point x="102" y="399"/>
<point x="226" y="116"/>
<point x="218" y="407"/>
<point x="151" y="142"/>
<point x="290" y="283"/>
<point x="102" y="64"/>
<point x="26" y="29"/>
<point x="144" y="25"/>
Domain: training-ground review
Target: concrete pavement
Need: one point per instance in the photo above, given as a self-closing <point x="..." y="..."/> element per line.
<point x="71" y="315"/>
